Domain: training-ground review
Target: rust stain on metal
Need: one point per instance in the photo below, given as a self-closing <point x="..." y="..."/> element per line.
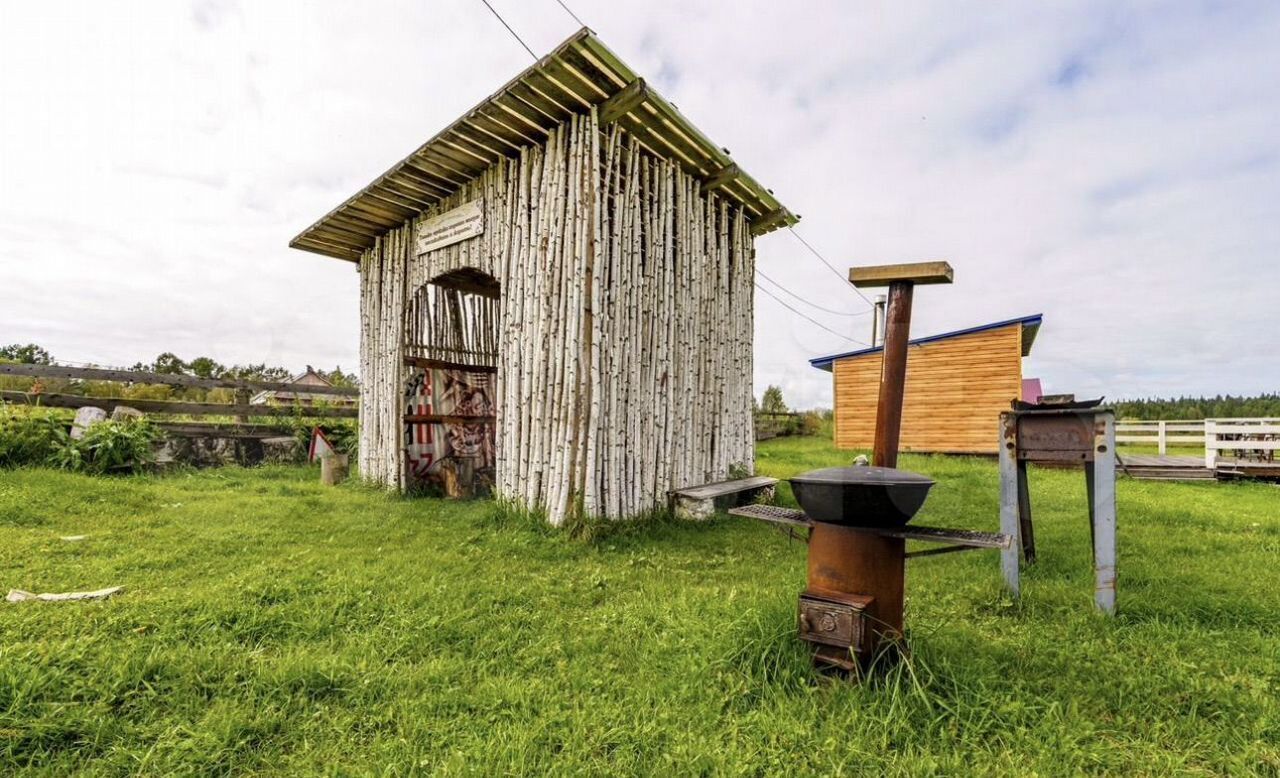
<point x="1054" y="436"/>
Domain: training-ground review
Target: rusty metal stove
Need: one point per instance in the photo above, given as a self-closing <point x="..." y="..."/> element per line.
<point x="852" y="608"/>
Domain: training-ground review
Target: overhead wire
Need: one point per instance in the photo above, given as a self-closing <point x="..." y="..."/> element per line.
<point x="806" y="301"/>
<point x="830" y="266"/>
<point x="782" y="302"/>
<point x="811" y="320"/>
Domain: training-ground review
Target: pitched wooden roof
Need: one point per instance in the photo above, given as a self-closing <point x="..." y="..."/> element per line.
<point x="581" y="72"/>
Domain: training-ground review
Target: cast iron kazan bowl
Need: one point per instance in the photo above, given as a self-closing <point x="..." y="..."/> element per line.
<point x="861" y="496"/>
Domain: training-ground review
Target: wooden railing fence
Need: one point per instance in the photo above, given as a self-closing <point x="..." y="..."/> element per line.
<point x="1251" y="439"/>
<point x="239" y="407"/>
<point x="773" y="424"/>
<point x="1161" y="433"/>
<point x="1255" y="440"/>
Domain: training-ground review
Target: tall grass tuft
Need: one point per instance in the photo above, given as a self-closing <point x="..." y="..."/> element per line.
<point x="27" y="436"/>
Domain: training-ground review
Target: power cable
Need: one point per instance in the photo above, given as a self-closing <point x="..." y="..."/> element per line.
<point x="830" y="266"/>
<point x="513" y="32"/>
<point x="806" y="317"/>
<point x="807" y="301"/>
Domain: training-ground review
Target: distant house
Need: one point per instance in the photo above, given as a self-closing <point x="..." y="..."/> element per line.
<point x="300" y="395"/>
<point x="957" y="385"/>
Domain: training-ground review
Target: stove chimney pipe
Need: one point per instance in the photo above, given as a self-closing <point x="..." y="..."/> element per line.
<point x="901" y="280"/>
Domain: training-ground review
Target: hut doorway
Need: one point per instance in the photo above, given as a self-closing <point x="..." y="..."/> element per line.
<point x="451" y="369"/>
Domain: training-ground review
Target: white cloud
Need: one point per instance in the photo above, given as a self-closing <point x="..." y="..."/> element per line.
<point x="1114" y="167"/>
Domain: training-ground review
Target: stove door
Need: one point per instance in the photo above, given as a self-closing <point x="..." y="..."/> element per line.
<point x="833" y="623"/>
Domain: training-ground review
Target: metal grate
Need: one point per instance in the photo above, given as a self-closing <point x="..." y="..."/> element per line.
<point x="952" y="537"/>
<point x="773" y="513"/>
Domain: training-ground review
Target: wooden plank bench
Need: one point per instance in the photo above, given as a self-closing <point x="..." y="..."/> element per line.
<point x="701" y="502"/>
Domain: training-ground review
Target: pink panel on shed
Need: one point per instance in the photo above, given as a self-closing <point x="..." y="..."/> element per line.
<point x="1031" y="390"/>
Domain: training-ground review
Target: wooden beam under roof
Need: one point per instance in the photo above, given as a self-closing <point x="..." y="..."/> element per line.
<point x="622" y="103"/>
<point x="721" y="177"/>
<point x="779" y="217"/>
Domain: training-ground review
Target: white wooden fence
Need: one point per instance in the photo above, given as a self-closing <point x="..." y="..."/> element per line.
<point x="1253" y="438"/>
<point x="1247" y="439"/>
<point x="1161" y="433"/>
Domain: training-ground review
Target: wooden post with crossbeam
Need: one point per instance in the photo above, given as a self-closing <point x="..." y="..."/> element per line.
<point x="901" y="280"/>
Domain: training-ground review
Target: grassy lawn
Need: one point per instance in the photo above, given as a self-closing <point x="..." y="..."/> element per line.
<point x="272" y="625"/>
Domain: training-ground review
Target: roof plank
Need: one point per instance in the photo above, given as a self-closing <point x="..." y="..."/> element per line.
<point x="580" y="73"/>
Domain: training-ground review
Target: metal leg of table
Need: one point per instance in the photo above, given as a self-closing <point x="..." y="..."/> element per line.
<point x="1104" y="514"/>
<point x="1089" y="489"/>
<point x="1009" y="506"/>
<point x="1024" y="515"/>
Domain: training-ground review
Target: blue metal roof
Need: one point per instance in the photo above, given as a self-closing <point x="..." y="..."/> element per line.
<point x="1030" y="326"/>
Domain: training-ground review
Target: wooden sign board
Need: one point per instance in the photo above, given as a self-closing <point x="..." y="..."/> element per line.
<point x="454" y="226"/>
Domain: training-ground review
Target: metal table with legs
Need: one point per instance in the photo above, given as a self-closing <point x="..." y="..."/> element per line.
<point x="1060" y="436"/>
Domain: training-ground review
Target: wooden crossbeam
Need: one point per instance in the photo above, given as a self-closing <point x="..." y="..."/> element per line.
<point x="720" y="178"/>
<point x="912" y="272"/>
<point x="446" y="365"/>
<point x="770" y="219"/>
<point x="447" y="418"/>
<point x="622" y="103"/>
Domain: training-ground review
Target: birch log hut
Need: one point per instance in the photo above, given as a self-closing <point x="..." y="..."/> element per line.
<point x="611" y="287"/>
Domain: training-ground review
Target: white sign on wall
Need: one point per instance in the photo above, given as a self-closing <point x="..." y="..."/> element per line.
<point x="465" y="221"/>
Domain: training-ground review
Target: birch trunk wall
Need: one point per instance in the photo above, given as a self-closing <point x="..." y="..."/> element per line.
<point x="624" y="335"/>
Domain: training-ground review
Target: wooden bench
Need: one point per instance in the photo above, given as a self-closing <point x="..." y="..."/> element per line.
<point x="701" y="502"/>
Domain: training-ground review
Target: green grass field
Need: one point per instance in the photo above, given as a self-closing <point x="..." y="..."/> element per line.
<point x="274" y="626"/>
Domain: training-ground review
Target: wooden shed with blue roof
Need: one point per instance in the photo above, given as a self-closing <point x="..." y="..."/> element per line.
<point x="957" y="385"/>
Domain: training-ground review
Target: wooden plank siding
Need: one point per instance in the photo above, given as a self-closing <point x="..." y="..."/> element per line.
<point x="956" y="389"/>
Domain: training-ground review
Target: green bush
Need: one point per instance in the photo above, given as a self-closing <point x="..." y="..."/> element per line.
<point x="106" y="447"/>
<point x="27" y="437"/>
<point x="811" y="423"/>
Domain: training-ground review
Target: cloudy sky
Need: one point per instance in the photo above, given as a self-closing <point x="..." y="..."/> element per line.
<point x="1115" y="166"/>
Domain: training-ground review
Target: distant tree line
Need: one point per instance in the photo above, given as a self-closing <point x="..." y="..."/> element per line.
<point x="167" y="363"/>
<point x="26" y="354"/>
<point x="1187" y="408"/>
<point x="771" y="405"/>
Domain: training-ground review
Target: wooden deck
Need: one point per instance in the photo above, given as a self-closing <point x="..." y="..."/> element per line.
<point x="1175" y="468"/>
<point x="1164" y="468"/>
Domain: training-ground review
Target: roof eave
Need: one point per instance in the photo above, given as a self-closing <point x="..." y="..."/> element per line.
<point x="1030" y="328"/>
<point x="348" y="230"/>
